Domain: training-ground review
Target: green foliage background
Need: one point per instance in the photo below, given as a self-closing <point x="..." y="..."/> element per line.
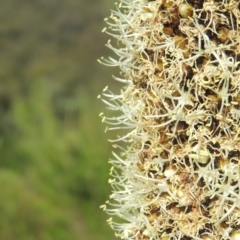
<point x="53" y="150"/>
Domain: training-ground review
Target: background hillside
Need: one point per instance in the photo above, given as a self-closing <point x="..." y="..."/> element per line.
<point x="53" y="150"/>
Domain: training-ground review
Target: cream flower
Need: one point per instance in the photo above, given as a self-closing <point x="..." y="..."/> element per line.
<point x="179" y="178"/>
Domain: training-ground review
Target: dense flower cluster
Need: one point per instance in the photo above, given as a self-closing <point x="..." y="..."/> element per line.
<point x="179" y="178"/>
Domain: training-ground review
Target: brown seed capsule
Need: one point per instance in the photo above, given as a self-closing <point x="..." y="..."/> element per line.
<point x="168" y="30"/>
<point x="223" y="34"/>
<point x="160" y="64"/>
<point x="180" y="41"/>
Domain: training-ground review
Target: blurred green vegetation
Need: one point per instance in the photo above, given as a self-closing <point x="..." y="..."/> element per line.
<point x="53" y="149"/>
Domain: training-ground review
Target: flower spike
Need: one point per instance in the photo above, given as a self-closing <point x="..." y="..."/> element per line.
<point x="179" y="176"/>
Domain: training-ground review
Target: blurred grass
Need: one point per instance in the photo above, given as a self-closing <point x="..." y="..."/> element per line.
<point x="53" y="150"/>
